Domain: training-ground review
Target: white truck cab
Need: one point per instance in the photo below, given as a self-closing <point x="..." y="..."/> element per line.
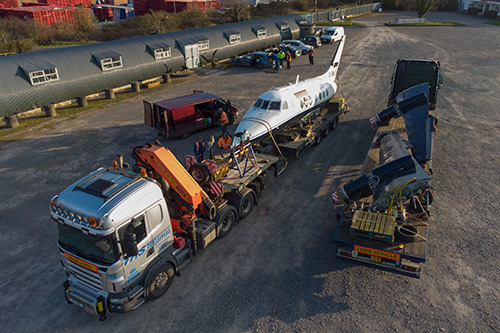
<point x="332" y="34"/>
<point x="115" y="241"/>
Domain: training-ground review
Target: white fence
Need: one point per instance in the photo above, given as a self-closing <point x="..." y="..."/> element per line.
<point x="337" y="14"/>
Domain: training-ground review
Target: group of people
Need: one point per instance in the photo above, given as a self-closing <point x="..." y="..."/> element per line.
<point x="224" y="142"/>
<point x="200" y="147"/>
<point x="284" y="55"/>
<point x="279" y="58"/>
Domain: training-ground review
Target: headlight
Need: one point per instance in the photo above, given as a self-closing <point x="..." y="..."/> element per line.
<point x="122" y="300"/>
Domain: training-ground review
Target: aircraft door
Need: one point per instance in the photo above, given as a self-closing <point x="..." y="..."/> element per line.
<point x="192" y="55"/>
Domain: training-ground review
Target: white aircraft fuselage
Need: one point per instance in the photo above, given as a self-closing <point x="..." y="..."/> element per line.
<point x="276" y="109"/>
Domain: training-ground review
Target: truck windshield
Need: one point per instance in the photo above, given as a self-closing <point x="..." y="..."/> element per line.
<point x="94" y="248"/>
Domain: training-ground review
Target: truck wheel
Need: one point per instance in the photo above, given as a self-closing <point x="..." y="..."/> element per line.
<point x="246" y="201"/>
<point x="317" y="140"/>
<point x="333" y="124"/>
<point x="226" y="217"/>
<point x="160" y="281"/>
<point x="200" y="173"/>
<point x="406" y="233"/>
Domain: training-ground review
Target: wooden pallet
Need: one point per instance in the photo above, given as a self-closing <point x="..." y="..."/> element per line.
<point x="373" y="225"/>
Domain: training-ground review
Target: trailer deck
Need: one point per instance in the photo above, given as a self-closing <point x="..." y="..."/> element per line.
<point x="243" y="172"/>
<point x="403" y="255"/>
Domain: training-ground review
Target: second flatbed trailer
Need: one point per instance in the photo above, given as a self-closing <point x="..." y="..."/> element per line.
<point x="375" y="238"/>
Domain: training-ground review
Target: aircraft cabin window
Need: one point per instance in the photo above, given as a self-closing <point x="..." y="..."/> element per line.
<point x="258" y="103"/>
<point x="274" y="106"/>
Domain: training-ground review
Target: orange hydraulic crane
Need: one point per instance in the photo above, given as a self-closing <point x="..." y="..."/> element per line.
<point x="188" y="200"/>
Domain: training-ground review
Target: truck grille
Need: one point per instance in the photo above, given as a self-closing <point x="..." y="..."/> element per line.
<point x="90" y="279"/>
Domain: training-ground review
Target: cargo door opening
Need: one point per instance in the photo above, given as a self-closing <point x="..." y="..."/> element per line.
<point x="205" y="116"/>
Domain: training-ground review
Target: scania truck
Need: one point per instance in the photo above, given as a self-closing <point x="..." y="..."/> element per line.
<point x="123" y="235"/>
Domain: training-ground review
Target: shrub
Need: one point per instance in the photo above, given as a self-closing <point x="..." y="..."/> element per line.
<point x="473" y="11"/>
<point x="492" y="14"/>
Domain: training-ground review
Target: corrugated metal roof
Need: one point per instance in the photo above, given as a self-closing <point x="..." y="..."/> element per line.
<point x="192" y="40"/>
<point x="79" y="75"/>
<point x="38" y="66"/>
<point x="107" y="54"/>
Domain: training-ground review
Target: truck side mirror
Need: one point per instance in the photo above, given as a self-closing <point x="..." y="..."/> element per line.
<point x="129" y="245"/>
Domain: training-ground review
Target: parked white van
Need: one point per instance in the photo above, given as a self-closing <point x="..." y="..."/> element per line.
<point x="332" y="34"/>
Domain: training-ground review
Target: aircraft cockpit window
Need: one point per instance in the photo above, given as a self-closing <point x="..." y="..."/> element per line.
<point x="258" y="103"/>
<point x="265" y="104"/>
<point x="274" y="106"/>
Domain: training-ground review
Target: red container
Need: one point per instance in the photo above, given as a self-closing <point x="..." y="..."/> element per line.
<point x="179" y="242"/>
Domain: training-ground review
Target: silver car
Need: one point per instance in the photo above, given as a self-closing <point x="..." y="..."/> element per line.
<point x="298" y="44"/>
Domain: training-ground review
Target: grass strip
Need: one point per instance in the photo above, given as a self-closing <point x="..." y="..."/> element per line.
<point x="426" y="24"/>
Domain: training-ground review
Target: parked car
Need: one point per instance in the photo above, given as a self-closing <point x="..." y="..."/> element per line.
<point x="294" y="51"/>
<point x="298" y="44"/>
<point x="314" y="41"/>
<point x="255" y="59"/>
<point x="332" y="34"/>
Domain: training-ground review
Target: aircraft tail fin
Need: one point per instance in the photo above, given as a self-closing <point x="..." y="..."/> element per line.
<point x="334" y="65"/>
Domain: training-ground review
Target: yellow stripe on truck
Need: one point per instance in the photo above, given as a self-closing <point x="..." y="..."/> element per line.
<point x="80" y="262"/>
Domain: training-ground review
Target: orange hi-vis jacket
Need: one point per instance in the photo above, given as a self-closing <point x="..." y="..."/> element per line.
<point x="223" y="119"/>
<point x="225" y="143"/>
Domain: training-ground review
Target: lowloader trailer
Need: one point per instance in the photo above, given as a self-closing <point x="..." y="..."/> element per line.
<point x="383" y="215"/>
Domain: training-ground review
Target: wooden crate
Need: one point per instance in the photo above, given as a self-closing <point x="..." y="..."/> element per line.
<point x="373" y="225"/>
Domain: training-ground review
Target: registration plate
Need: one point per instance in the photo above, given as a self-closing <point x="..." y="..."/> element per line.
<point x="376" y="259"/>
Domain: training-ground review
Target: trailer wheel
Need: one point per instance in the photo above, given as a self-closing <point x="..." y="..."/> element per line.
<point x="326" y="131"/>
<point x="226" y="217"/>
<point x="257" y="186"/>
<point x="200" y="173"/>
<point x="246" y="201"/>
<point x="160" y="281"/>
<point x="406" y="232"/>
<point x="333" y="124"/>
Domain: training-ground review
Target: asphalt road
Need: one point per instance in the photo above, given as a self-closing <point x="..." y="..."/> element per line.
<point x="276" y="271"/>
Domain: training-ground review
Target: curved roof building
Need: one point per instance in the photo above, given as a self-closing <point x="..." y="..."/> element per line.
<point x="32" y="80"/>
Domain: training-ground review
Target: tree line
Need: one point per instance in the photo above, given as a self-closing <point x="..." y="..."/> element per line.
<point x="19" y="36"/>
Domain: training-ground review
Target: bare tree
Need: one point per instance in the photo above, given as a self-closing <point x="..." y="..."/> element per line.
<point x="423" y="6"/>
<point x="158" y="20"/>
<point x="237" y="10"/>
